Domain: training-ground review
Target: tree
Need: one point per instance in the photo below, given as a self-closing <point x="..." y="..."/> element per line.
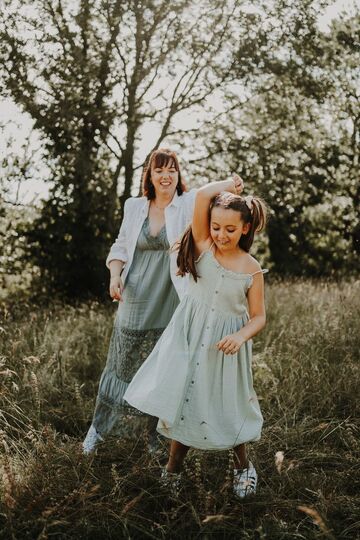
<point x="91" y="73"/>
<point x="294" y="137"/>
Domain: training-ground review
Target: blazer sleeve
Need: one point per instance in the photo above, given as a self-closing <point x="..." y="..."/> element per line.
<point x="118" y="250"/>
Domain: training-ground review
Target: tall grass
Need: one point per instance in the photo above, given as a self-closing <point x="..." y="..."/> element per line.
<point x="306" y="369"/>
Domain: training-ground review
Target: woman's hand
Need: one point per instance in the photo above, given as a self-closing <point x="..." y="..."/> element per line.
<point x="239" y="184"/>
<point x="116" y="288"/>
<point x="230" y="344"/>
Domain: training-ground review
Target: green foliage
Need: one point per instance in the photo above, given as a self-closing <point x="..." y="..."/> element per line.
<point x="15" y="274"/>
<point x="98" y="73"/>
<point x="71" y="111"/>
<point x="306" y="371"/>
<point x="295" y="139"/>
<point x="88" y="74"/>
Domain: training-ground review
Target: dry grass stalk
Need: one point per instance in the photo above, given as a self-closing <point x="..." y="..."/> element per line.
<point x="279" y="459"/>
<point x="215" y="519"/>
<point x="35" y="388"/>
<point x="317" y="519"/>
<point x="9" y="484"/>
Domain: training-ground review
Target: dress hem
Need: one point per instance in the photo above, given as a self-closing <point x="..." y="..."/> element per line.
<point x="202" y="447"/>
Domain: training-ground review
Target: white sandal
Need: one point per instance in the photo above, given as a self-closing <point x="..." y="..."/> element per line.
<point x="171" y="480"/>
<point x="245" y="481"/>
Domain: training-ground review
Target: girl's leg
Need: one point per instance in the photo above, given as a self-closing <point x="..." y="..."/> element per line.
<point x="177" y="455"/>
<point x="240" y="457"/>
<point x="245" y="477"/>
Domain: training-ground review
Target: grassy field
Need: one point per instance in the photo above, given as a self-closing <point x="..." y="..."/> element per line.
<point x="306" y="369"/>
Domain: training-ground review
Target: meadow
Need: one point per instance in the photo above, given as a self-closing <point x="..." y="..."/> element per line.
<point x="306" y="371"/>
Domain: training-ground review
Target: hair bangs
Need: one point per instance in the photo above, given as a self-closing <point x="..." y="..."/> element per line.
<point x="161" y="159"/>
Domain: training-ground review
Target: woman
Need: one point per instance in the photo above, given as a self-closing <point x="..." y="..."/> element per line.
<point x="148" y="290"/>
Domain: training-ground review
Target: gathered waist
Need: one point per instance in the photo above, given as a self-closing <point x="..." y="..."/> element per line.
<point x="216" y="308"/>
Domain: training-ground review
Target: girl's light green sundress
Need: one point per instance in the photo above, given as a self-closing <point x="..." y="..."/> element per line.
<point x="202" y="397"/>
<point x="149" y="301"/>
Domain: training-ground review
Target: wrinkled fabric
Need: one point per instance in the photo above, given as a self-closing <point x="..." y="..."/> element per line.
<point x="202" y="397"/>
<point x="149" y="301"/>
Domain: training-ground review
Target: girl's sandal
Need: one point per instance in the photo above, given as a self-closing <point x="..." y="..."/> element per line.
<point x="171" y="480"/>
<point x="245" y="481"/>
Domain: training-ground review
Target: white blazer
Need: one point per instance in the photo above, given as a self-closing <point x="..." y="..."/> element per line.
<point x="178" y="214"/>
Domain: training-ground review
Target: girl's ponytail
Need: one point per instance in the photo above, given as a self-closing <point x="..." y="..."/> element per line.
<point x="186" y="256"/>
<point x="255" y="216"/>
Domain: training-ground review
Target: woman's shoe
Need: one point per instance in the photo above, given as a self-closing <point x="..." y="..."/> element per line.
<point x="91" y="440"/>
<point x="245" y="481"/>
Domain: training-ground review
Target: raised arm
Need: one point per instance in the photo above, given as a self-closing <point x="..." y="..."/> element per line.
<point x="200" y="222"/>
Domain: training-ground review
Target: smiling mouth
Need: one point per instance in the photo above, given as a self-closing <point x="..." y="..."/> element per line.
<point x="165" y="183"/>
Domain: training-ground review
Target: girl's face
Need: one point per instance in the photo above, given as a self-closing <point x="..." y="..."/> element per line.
<point x="165" y="179"/>
<point x="226" y="228"/>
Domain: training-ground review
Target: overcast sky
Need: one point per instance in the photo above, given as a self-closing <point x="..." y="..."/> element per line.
<point x="35" y="189"/>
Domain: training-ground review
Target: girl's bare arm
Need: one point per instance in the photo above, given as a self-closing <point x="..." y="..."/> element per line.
<point x="231" y="344"/>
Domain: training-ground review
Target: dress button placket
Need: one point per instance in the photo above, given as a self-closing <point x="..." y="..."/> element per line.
<point x="209" y="323"/>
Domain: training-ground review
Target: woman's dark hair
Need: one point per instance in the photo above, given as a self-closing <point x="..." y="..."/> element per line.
<point x="162" y="157"/>
<point x="251" y="209"/>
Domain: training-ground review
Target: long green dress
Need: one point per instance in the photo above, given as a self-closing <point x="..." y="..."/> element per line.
<point x="149" y="301"/>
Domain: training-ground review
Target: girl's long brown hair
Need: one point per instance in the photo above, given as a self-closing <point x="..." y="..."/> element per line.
<point x="161" y="158"/>
<point x="256" y="217"/>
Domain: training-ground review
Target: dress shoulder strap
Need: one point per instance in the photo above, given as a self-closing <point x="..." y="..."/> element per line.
<point x="206" y="251"/>
<point x="263" y="271"/>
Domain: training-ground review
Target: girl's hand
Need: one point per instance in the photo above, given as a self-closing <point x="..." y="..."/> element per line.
<point x="116" y="288"/>
<point x="230" y="344"/>
<point x="238" y="183"/>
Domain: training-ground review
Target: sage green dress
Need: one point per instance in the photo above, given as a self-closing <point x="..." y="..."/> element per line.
<point x="149" y="301"/>
<point x="202" y="397"/>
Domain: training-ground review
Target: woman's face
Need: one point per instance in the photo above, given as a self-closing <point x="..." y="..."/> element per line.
<point x="226" y="228"/>
<point x="165" y="179"/>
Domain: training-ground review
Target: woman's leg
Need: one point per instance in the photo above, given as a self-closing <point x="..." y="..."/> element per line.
<point x="177" y="455"/>
<point x="240" y="457"/>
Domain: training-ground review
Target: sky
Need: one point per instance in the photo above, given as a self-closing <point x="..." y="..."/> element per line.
<point x="33" y="190"/>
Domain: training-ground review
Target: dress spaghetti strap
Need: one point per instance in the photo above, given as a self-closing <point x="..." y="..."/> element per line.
<point x="263" y="271"/>
<point x="210" y="249"/>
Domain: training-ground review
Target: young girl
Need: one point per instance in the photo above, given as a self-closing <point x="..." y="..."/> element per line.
<point x="198" y="379"/>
